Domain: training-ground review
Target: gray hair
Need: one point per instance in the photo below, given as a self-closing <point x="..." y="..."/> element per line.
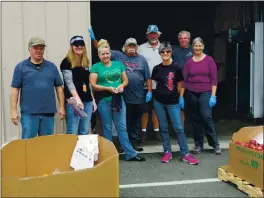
<point x="197" y="39"/>
<point x="184" y="32"/>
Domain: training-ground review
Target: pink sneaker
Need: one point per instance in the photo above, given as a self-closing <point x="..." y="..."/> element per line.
<point x="166" y="157"/>
<point x="190" y="159"/>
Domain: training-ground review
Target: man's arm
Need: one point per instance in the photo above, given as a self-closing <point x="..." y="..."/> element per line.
<point x="16" y="86"/>
<point x="14" y="100"/>
<point x="149" y="85"/>
<point x="60" y="96"/>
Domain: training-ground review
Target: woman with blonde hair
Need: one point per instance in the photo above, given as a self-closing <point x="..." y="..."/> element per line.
<point x="108" y="79"/>
<point x="75" y="71"/>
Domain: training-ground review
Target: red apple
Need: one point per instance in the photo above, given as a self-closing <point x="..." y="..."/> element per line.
<point x="252" y="146"/>
<point x="254" y="142"/>
<point x="243" y="144"/>
<point x="247" y="145"/>
<point x="258" y="148"/>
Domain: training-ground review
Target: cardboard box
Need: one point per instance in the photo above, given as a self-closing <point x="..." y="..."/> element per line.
<point x="26" y="162"/>
<point x="244" y="162"/>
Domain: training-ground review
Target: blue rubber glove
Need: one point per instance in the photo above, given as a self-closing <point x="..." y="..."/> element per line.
<point x="90" y="30"/>
<point x="181" y="102"/>
<point x="148" y="96"/>
<point x="212" y="101"/>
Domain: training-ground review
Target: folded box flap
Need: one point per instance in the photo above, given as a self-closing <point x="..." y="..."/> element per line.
<point x="247" y="133"/>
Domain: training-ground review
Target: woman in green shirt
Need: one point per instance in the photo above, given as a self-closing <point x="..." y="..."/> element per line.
<point x="108" y="79"/>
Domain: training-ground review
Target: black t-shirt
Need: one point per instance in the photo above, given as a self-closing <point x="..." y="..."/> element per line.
<point x="167" y="78"/>
<point x="80" y="78"/>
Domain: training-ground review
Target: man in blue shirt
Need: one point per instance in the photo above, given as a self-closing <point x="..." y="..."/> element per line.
<point x="35" y="79"/>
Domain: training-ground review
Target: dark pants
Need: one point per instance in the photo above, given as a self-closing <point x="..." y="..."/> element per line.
<point x="200" y="115"/>
<point x="93" y="120"/>
<point x="133" y="117"/>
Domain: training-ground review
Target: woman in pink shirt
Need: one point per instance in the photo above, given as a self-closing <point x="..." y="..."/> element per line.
<point x="199" y="86"/>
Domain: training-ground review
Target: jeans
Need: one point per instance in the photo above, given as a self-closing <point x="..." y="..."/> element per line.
<point x="106" y="116"/>
<point x="200" y="115"/>
<point x="174" y="112"/>
<point x="36" y="125"/>
<point x="134" y="114"/>
<point x="75" y="124"/>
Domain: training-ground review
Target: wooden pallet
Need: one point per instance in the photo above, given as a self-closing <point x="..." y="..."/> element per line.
<point x="242" y="185"/>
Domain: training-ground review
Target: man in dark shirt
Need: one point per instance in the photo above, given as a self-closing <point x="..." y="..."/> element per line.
<point x="182" y="53"/>
<point x="35" y="79"/>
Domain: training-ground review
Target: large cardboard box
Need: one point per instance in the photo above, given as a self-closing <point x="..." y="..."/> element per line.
<point x="25" y="164"/>
<point x="244" y="162"/>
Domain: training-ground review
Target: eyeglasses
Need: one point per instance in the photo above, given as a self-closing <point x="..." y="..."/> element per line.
<point x="163" y="52"/>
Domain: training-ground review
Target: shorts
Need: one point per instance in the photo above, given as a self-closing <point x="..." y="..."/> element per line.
<point x="148" y="107"/>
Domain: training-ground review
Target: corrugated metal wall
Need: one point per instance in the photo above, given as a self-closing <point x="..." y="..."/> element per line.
<point x="235" y="15"/>
<point x="56" y="22"/>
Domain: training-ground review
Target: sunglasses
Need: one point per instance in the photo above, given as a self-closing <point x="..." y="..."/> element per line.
<point x="77" y="45"/>
<point x="163" y="52"/>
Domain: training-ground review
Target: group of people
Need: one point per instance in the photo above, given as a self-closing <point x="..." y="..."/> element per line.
<point x="124" y="88"/>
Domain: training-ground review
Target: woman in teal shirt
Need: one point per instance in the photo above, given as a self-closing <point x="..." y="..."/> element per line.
<point x="108" y="79"/>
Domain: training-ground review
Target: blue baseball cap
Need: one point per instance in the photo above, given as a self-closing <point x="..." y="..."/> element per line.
<point x="153" y="28"/>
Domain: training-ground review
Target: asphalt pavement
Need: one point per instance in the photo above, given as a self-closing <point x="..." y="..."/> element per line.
<point x="176" y="178"/>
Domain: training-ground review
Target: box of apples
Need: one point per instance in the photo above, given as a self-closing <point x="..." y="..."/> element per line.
<point x="246" y="153"/>
<point x="253" y="144"/>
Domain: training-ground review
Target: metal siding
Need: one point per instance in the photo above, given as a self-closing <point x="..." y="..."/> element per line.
<point x="56" y="22"/>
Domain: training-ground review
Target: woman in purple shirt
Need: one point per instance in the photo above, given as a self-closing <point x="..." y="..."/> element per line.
<point x="199" y="86"/>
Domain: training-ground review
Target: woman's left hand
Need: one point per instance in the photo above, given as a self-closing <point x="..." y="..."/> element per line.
<point x="212" y="101"/>
<point x="94" y="106"/>
<point x="120" y="88"/>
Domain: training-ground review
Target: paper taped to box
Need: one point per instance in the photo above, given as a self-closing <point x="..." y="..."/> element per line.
<point x="85" y="152"/>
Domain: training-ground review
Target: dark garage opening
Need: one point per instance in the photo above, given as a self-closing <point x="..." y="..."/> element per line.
<point x="117" y="21"/>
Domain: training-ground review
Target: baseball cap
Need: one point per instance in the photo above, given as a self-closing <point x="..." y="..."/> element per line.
<point x="128" y="42"/>
<point x="36" y="41"/>
<point x="131" y="41"/>
<point x="153" y="28"/>
<point x="165" y="45"/>
<point x="77" y="40"/>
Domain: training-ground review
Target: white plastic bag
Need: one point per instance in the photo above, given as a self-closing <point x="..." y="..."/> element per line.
<point x="259" y="138"/>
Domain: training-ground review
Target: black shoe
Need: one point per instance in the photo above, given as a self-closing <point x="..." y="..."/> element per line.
<point x="137" y="148"/>
<point x="120" y="150"/>
<point x="137" y="158"/>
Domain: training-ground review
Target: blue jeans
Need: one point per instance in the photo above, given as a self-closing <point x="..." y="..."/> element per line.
<point x="106" y="116"/>
<point x="200" y="115"/>
<point x="36" y="125"/>
<point x="174" y="112"/>
<point x="75" y="124"/>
